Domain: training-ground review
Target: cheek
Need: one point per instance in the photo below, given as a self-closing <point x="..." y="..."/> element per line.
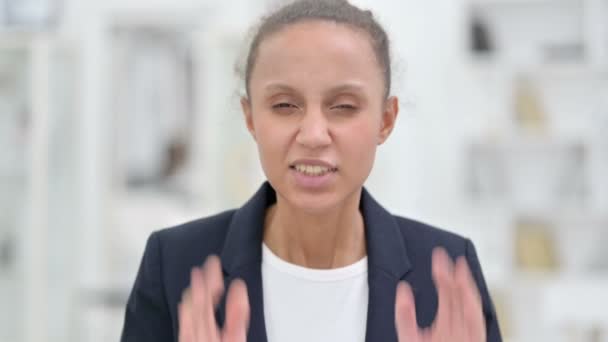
<point x="360" y="140"/>
<point x="272" y="140"/>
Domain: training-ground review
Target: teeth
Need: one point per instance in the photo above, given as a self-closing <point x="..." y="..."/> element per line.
<point x="312" y="170"/>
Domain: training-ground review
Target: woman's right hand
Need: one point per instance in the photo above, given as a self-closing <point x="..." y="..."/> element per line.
<point x="197" y="309"/>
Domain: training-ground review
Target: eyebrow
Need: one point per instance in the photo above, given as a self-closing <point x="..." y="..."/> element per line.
<point x="279" y="87"/>
<point x="354" y="87"/>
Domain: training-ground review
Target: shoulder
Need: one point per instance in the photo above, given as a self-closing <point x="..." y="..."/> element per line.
<point x="172" y="252"/>
<point x="207" y="229"/>
<point x="421" y="238"/>
<point x="193" y="241"/>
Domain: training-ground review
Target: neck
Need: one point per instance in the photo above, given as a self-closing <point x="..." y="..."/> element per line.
<point x="331" y="239"/>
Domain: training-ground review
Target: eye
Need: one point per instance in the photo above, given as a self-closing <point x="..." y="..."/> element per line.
<point x="284" y="105"/>
<point x="346" y="107"/>
<point x="284" y="108"/>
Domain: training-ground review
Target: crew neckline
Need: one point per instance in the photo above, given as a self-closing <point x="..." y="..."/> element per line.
<point x="313" y="274"/>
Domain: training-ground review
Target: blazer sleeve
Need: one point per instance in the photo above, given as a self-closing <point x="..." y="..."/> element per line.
<point x="147" y="316"/>
<point x="492" y="328"/>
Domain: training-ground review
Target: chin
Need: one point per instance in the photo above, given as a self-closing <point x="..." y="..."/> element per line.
<point x="315" y="203"/>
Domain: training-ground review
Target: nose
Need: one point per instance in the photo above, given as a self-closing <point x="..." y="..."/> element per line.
<point x="313" y="131"/>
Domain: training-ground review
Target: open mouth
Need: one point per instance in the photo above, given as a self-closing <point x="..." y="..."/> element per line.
<point x="313" y="170"/>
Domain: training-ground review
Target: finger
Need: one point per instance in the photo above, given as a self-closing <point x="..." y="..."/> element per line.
<point x="458" y="320"/>
<point x="405" y="314"/>
<point x="205" y="327"/>
<point x="214" y="279"/>
<point x="186" y="327"/>
<point x="237" y="313"/>
<point x="472" y="309"/>
<point x="443" y="277"/>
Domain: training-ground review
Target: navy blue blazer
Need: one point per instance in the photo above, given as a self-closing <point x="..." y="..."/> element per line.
<point x="398" y="249"/>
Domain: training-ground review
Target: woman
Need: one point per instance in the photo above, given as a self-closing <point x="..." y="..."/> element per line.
<point x="312" y="256"/>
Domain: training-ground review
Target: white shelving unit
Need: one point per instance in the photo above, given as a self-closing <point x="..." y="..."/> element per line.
<point x="81" y="236"/>
<point x="42" y="235"/>
<point x="559" y="48"/>
<point x="28" y="280"/>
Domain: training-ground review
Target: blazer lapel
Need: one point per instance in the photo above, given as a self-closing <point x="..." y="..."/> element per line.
<point x="253" y="278"/>
<point x="387" y="264"/>
<point x="242" y="257"/>
<point x="381" y="307"/>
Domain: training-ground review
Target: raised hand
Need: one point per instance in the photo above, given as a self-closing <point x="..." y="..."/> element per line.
<point x="197" y="309"/>
<point x="459" y="314"/>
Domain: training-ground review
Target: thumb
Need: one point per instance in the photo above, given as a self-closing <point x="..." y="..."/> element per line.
<point x="405" y="314"/>
<point x="237" y="313"/>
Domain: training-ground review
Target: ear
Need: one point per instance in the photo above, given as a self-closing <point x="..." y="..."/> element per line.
<point x="389" y="117"/>
<point x="246" y="107"/>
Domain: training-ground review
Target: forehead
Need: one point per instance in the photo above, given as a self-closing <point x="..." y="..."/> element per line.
<point x="317" y="53"/>
<point x="309" y="29"/>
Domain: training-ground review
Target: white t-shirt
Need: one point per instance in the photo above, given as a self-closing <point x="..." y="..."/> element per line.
<point x="303" y="304"/>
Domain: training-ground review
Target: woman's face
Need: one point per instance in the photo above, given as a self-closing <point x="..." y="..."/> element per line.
<point x="317" y="111"/>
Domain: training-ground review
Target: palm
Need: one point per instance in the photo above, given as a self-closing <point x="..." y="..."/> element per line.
<point x="196" y="311"/>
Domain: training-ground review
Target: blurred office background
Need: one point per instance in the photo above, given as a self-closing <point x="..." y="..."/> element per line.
<point x="119" y="117"/>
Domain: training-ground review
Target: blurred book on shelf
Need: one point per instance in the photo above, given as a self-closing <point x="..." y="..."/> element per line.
<point x="530" y="114"/>
<point x="535" y="246"/>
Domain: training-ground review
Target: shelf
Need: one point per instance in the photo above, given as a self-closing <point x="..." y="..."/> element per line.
<point x="529" y="174"/>
<point x="532" y="32"/>
<point x="557" y="71"/>
<point x="576" y="300"/>
<point x="523" y="2"/>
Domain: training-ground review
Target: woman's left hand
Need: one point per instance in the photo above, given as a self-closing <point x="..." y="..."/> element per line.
<point x="459" y="314"/>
